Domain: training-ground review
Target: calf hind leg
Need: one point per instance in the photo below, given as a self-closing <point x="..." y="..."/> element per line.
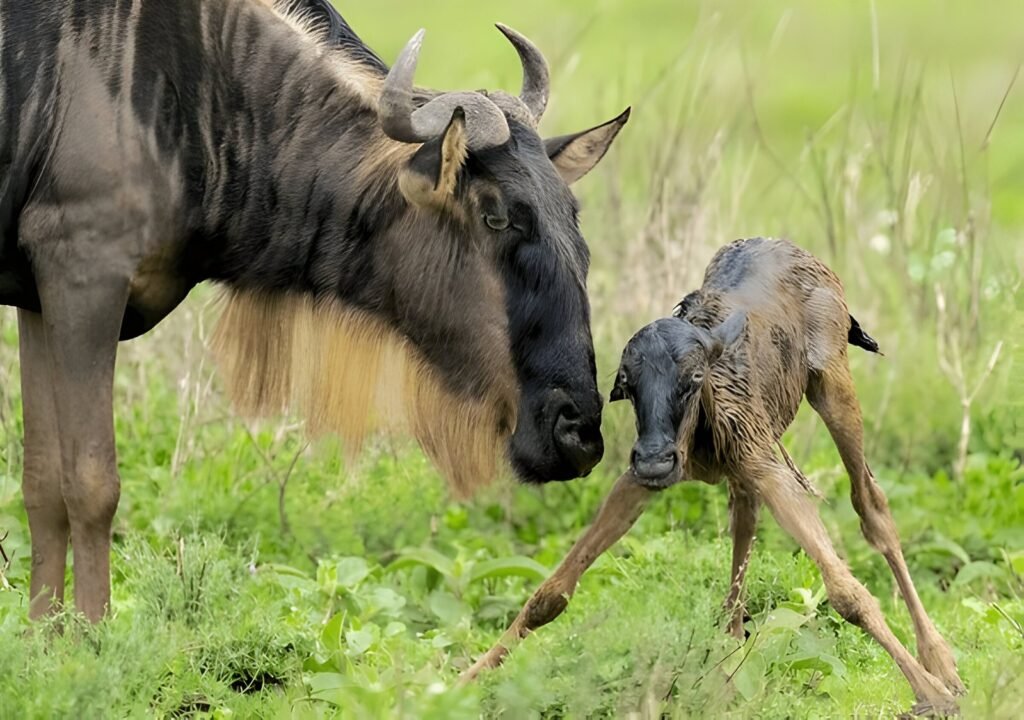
<point x="832" y="395"/>
<point x="44" y="503"/>
<point x="798" y="515"/>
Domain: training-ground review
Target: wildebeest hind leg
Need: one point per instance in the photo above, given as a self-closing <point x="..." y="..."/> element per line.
<point x="796" y="512"/>
<point x="618" y="512"/>
<point x="831" y="394"/>
<point x="47" y="516"/>
<point x="82" y="313"/>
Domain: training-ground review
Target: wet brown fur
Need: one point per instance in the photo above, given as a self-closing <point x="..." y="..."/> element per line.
<point x="793" y="345"/>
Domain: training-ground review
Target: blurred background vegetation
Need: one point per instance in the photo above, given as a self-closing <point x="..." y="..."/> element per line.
<point x="258" y="576"/>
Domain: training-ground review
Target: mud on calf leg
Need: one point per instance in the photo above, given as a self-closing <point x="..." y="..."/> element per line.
<point x="547" y="604"/>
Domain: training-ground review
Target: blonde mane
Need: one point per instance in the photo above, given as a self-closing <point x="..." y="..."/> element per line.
<point x="348" y="374"/>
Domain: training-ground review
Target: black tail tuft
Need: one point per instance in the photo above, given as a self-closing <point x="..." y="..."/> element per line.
<point x="861" y="339"/>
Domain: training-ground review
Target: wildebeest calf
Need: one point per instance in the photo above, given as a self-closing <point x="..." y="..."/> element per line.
<point x="714" y="387"/>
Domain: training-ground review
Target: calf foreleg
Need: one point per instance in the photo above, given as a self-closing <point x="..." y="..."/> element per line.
<point x="618" y="512"/>
<point x="743" y="507"/>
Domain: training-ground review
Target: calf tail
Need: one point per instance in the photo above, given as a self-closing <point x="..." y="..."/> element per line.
<point x="861" y="339"/>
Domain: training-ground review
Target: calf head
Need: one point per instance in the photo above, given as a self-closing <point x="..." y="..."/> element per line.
<point x="664" y="373"/>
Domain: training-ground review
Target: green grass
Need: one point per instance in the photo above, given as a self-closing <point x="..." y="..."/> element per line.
<point x="257" y="577"/>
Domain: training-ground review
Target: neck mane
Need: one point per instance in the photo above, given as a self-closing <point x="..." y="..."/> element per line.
<point x="303" y="188"/>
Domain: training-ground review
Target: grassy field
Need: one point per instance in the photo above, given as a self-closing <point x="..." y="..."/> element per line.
<point x="258" y="576"/>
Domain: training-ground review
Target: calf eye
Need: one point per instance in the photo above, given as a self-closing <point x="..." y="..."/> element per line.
<point x="497" y="222"/>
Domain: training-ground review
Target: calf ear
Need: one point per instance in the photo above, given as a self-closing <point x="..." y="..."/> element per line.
<point x="576" y="155"/>
<point x="727" y="333"/>
<point x="432" y="173"/>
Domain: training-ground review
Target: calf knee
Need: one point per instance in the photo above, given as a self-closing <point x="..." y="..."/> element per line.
<point x="547" y="604"/>
<point x="876" y="521"/>
<point x="851" y="600"/>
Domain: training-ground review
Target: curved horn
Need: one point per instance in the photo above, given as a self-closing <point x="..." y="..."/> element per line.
<point x="536" y="78"/>
<point x="486" y="125"/>
<point x="395" y="104"/>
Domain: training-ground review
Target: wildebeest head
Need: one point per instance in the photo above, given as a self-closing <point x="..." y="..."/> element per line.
<point x="483" y="177"/>
<point x="663" y="372"/>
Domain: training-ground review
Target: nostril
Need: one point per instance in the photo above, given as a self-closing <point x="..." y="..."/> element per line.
<point x="568" y="413"/>
<point x="653" y="465"/>
<point x="578" y="442"/>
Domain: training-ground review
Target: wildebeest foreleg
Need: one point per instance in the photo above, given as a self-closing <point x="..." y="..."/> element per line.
<point x="743" y="507"/>
<point x="796" y="511"/>
<point x="832" y="395"/>
<point x="618" y="512"/>
<point x="47" y="516"/>
<point x="82" y="313"/>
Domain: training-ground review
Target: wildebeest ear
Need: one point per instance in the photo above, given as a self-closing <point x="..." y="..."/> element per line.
<point x="432" y="173"/>
<point x="727" y="333"/>
<point x="576" y="155"/>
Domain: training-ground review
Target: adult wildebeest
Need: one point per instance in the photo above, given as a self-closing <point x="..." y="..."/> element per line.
<point x="388" y="252"/>
<point x="714" y="388"/>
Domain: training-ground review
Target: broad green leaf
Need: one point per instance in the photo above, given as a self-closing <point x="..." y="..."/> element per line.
<point x="942" y="544"/>
<point x="427" y="557"/>
<point x="784" y="618"/>
<point x="515" y="566"/>
<point x="448" y="609"/>
<point x="386" y="600"/>
<point x="358" y="642"/>
<point x="749" y="678"/>
<point x="330" y="636"/>
<point x="320" y="683"/>
<point x="351" y="572"/>
<point x="978" y="569"/>
<point x="394" y="628"/>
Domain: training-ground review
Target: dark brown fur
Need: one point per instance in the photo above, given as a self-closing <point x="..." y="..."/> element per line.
<point x="373" y="281"/>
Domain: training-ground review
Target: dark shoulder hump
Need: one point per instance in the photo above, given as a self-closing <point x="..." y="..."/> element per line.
<point x="337" y="32"/>
<point x="861" y="339"/>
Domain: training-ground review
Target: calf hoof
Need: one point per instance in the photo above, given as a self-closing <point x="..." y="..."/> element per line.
<point x="938" y="660"/>
<point x="932" y="709"/>
<point x="492" y="659"/>
<point x="737" y="627"/>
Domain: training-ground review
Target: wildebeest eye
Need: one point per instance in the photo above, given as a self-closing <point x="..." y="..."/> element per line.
<point x="697" y="378"/>
<point x="497" y="222"/>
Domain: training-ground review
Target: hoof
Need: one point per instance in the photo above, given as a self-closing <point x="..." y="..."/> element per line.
<point x="491" y="660"/>
<point x="938" y="660"/>
<point x="940" y="709"/>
